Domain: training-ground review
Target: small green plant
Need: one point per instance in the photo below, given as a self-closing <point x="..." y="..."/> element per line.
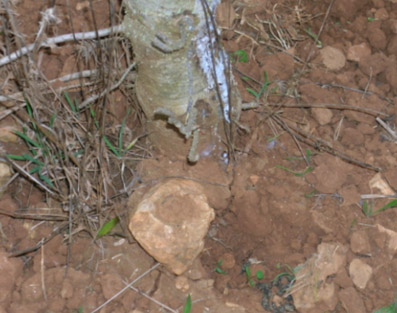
<point x="311" y="194"/>
<point x="218" y="268"/>
<point x="308" y="169"/>
<point x="314" y="36"/>
<point x="289" y="272"/>
<point x="239" y="56"/>
<point x="258" y="275"/>
<point x="371" y="19"/>
<point x="265" y="86"/>
<point x="392" y="308"/>
<point x="188" y="304"/>
<point x="298" y="174"/>
<point x="368" y="209"/>
<point x="40" y="152"/>
<point x="107" y="227"/>
<point x="118" y="151"/>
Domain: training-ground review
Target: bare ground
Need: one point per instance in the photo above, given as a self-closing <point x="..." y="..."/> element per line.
<point x="279" y="207"/>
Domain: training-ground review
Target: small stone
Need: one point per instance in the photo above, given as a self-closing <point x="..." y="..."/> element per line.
<point x="377" y="38"/>
<point x="351" y="300"/>
<point x="67" y="289"/>
<point x="7" y="134"/>
<point x="316" y="291"/>
<point x="182" y="283"/>
<point x="359" y="243"/>
<point x="254" y="179"/>
<point x="360" y="272"/>
<point x="377" y="182"/>
<point x="228" y="261"/>
<point x="381" y="14"/>
<point x="391" y="240"/>
<point x="171" y="221"/>
<point x="333" y="58"/>
<point x="322" y="115"/>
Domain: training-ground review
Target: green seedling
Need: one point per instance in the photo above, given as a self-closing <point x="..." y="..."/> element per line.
<point x="290" y="273"/>
<point x="39" y="151"/>
<point x="369" y="211"/>
<point x="120" y="151"/>
<point x="239" y="56"/>
<point x="218" y="268"/>
<point x="311" y="194"/>
<point x="307" y="157"/>
<point x="298" y="174"/>
<point x="73" y="106"/>
<point x="188" y="304"/>
<point x="392" y="308"/>
<point x="248" y="275"/>
<point x="259" y="275"/>
<point x="314" y="36"/>
<point x="265" y="86"/>
<point x="308" y="169"/>
<point x="371" y="19"/>
<point x="107" y="227"/>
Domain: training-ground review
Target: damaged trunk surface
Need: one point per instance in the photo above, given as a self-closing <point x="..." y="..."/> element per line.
<point x="182" y="82"/>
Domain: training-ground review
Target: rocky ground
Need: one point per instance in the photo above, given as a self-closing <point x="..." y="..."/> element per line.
<point x="296" y="206"/>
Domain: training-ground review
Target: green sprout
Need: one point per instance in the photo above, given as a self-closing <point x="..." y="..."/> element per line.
<point x="188" y="304"/>
<point x="392" y="308"/>
<point x="218" y="268"/>
<point x="259" y="275"/>
<point x="308" y="169"/>
<point x="368" y="209"/>
<point x="265" y="86"/>
<point x="38" y="147"/>
<point x="239" y="56"/>
<point x="107" y="227"/>
<point x="289" y="272"/>
<point x="314" y="36"/>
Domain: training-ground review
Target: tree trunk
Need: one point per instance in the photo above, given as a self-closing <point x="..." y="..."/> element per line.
<point x="181" y="83"/>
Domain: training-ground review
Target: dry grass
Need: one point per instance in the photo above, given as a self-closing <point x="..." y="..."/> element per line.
<point x="73" y="127"/>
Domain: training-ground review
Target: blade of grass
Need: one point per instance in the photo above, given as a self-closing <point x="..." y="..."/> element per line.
<point x="392" y="308"/>
<point x="391" y="204"/>
<point x="298" y="174"/>
<point x="28" y="157"/>
<point x="111" y="147"/>
<point x="27" y="139"/>
<point x="46" y="180"/>
<point x="107" y="227"/>
<point x="16" y="157"/>
<point x="70" y="102"/>
<point x="52" y="120"/>
<point x="188" y="304"/>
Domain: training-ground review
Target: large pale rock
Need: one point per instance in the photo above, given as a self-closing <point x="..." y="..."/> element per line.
<point x="358" y="52"/>
<point x="315" y="291"/>
<point x="171" y="221"/>
<point x="333" y="58"/>
<point x="392" y="240"/>
<point x="360" y="273"/>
